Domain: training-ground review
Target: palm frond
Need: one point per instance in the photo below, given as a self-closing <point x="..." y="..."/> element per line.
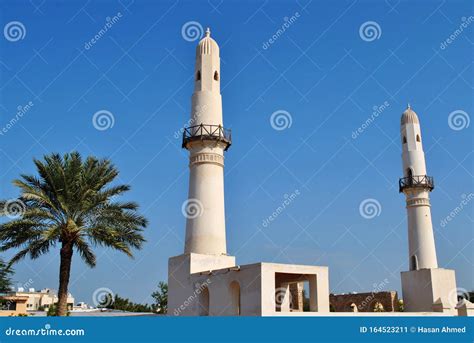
<point x="73" y="202"/>
<point x="85" y="252"/>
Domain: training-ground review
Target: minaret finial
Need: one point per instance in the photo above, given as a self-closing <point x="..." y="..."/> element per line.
<point x="408" y="106"/>
<point x="208" y="32"/>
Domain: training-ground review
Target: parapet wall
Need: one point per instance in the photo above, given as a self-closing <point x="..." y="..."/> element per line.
<point x="365" y="302"/>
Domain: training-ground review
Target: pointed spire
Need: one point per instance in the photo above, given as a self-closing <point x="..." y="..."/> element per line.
<point x="208" y="32"/>
<point x="408" y="106"/>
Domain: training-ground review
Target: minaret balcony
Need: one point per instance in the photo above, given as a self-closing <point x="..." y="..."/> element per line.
<point x="416" y="181"/>
<point x="205" y="132"/>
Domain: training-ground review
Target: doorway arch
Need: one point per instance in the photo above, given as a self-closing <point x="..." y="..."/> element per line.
<point x="203" y="301"/>
<point x="235" y="298"/>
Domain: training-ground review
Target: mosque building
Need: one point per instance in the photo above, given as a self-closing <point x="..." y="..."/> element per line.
<point x="206" y="281"/>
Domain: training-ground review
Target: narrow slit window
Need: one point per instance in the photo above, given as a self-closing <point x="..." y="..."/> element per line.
<point x="414" y="262"/>
<point x="216" y="76"/>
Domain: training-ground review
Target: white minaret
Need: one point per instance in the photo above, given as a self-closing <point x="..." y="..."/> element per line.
<point x="425" y="287"/>
<point x="416" y="186"/>
<point x="206" y="140"/>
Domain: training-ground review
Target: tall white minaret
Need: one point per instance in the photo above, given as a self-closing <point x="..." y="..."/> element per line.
<point x="206" y="139"/>
<point x="416" y="186"/>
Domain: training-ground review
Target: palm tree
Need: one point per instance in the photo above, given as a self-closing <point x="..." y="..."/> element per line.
<point x="5" y="277"/>
<point x="161" y="298"/>
<point x="71" y="204"/>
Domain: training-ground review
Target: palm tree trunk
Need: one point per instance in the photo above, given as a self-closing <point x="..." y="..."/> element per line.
<point x="64" y="272"/>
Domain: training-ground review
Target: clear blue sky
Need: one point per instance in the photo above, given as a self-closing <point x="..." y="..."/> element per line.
<point x="319" y="70"/>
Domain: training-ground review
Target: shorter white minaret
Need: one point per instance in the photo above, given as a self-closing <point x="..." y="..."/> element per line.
<point x="416" y="186"/>
<point x="425" y="287"/>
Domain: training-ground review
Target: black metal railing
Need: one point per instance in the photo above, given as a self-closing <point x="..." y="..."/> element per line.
<point x="204" y="132"/>
<point x="417" y="181"/>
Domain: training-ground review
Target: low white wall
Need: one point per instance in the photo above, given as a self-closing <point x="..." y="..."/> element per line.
<point x="360" y="314"/>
